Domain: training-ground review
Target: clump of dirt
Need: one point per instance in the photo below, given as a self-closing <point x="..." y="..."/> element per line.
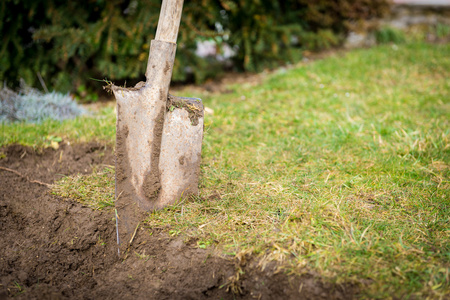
<point x="54" y="248"/>
<point x="193" y="106"/>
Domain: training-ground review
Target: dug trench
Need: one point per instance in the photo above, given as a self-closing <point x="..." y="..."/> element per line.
<point x="54" y="248"/>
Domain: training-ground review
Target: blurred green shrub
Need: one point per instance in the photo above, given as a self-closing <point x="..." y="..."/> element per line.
<point x="84" y="94"/>
<point x="69" y="42"/>
<point x="442" y="30"/>
<point x="389" y="35"/>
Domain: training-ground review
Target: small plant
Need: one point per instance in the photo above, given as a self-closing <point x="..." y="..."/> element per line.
<point x="389" y="35"/>
<point x="143" y="256"/>
<point x="100" y="241"/>
<point x="30" y="105"/>
<point x="203" y="244"/>
<point x="442" y="30"/>
<point x="53" y="141"/>
<point x="19" y="288"/>
<point x="174" y="232"/>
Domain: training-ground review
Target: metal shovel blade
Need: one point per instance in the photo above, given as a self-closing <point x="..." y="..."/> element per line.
<point x="158" y="145"/>
<point x="157" y="160"/>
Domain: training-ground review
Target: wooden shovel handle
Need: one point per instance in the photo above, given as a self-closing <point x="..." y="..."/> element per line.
<point x="169" y="21"/>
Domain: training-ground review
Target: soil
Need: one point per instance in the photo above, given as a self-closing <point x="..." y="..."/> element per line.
<point x="53" y="248"/>
<point x="193" y="106"/>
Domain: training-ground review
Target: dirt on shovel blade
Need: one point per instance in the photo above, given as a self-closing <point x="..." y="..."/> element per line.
<point x="54" y="248"/>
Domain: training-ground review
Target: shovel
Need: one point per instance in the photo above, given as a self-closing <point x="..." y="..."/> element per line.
<point x="158" y="138"/>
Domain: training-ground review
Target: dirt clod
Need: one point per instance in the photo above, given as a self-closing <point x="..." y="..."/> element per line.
<point x="193" y="106"/>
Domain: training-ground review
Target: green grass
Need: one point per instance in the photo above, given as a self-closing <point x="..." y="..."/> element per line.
<point x="95" y="126"/>
<point x="95" y="190"/>
<point x="340" y="166"/>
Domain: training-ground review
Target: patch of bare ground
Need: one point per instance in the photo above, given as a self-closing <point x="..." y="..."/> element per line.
<point x="54" y="248"/>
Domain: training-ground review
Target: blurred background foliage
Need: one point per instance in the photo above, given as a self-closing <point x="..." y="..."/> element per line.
<point x="69" y="43"/>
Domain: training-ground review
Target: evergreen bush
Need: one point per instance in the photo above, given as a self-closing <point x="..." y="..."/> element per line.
<point x="69" y="42"/>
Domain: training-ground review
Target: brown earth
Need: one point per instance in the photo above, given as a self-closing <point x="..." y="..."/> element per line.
<point x="52" y="248"/>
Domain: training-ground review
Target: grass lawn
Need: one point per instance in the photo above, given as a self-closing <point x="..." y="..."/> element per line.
<point x="340" y="166"/>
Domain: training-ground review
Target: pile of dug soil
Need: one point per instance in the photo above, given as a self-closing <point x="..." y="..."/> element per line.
<point x="53" y="248"/>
